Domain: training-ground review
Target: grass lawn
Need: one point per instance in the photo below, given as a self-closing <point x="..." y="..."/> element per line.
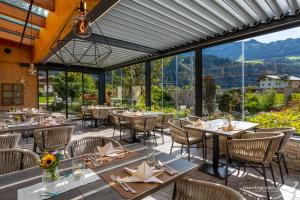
<point x="44" y="99"/>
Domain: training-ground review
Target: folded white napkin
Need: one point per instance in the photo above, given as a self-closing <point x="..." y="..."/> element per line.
<point x="199" y="123"/>
<point x="144" y="173"/>
<point x="107" y="150"/>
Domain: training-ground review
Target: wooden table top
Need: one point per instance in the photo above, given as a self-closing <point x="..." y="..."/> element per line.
<point x="213" y="126"/>
<point x="10" y="183"/>
<point x="27" y="126"/>
<point x="140" y="114"/>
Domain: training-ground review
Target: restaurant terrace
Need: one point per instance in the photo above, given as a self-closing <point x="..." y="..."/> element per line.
<point x="149" y="99"/>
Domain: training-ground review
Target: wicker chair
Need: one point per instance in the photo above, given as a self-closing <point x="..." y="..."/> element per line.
<point x="186" y="136"/>
<point x="86" y="115"/>
<point x="288" y="133"/>
<point x="17" y="159"/>
<point x="87" y="145"/>
<point x="9" y="141"/>
<point x="100" y="115"/>
<point x="120" y="121"/>
<point x="162" y="126"/>
<point x="146" y="125"/>
<point x="189" y="189"/>
<point x="257" y="151"/>
<point x="51" y="139"/>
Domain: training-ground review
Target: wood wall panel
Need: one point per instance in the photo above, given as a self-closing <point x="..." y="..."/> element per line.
<point x="11" y="72"/>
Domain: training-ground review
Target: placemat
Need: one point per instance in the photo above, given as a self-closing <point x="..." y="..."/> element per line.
<point x="106" y="161"/>
<point x="139" y="187"/>
<point x="34" y="192"/>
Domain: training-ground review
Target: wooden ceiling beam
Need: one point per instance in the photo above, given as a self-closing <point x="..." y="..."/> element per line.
<point x="20" y="14"/>
<point x="45" y="4"/>
<point x="18" y="28"/>
<point x="15" y="38"/>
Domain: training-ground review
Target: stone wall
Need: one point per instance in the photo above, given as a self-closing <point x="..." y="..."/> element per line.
<point x="292" y="154"/>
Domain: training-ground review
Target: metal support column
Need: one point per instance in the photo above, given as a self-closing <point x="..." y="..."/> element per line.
<point x="101" y="86"/>
<point x="148" y="84"/>
<point x="198" y="81"/>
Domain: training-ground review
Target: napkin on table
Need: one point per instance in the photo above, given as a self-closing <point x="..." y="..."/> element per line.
<point x="144" y="173"/>
<point x="107" y="150"/>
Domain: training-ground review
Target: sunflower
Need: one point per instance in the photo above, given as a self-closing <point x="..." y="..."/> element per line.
<point x="48" y="161"/>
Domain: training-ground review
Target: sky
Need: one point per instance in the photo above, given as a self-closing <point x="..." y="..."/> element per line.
<point x="281" y="35"/>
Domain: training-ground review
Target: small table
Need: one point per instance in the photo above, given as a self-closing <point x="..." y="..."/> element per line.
<point x="213" y="127"/>
<point x="10" y="183"/>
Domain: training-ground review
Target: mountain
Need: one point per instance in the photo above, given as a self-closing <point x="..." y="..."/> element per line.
<point x="255" y="50"/>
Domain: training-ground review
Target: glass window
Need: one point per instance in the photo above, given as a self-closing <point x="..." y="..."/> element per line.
<point x="57" y="91"/>
<point x="42" y="79"/>
<point x="74" y="92"/>
<point x="90" y="89"/>
<point x="172" y="88"/>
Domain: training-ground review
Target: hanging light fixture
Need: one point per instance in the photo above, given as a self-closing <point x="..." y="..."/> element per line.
<point x="23" y="82"/>
<point x="32" y="70"/>
<point x="81" y="47"/>
<point x="81" y="24"/>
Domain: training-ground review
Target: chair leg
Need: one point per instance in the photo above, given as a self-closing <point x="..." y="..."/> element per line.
<point x="189" y="153"/>
<point x="285" y="165"/>
<point x="272" y="173"/>
<point x="120" y="132"/>
<point x="279" y="166"/>
<point x="145" y="138"/>
<point x="114" y="130"/>
<point x="266" y="182"/>
<point x="203" y="151"/>
<point x="154" y="138"/>
<point x="171" y="147"/>
<point x="181" y="149"/>
<point x="34" y="147"/>
<point x="226" y="170"/>
<point x="162" y="136"/>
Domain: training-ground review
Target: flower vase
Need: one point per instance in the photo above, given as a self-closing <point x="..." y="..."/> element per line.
<point x="50" y="175"/>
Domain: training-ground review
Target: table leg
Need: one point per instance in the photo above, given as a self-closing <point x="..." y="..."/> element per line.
<point x="214" y="168"/>
<point x="133" y="138"/>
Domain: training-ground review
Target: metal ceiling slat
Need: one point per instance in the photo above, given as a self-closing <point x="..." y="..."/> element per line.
<point x="222" y="12"/>
<point x="146" y="19"/>
<point x="184" y="12"/>
<point x="150" y="25"/>
<point x="157" y="16"/>
<point x="241" y="11"/>
<point x="202" y="11"/>
<point x="258" y="10"/>
<point x="293" y="5"/>
<point x="114" y="33"/>
<point x="171" y="17"/>
<point x="136" y="32"/>
<point x="273" y="4"/>
<point x="144" y="29"/>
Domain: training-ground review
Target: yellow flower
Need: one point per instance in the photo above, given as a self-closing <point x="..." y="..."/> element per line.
<point x="47" y="161"/>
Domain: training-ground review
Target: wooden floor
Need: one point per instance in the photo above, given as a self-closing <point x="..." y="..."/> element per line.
<point x="249" y="183"/>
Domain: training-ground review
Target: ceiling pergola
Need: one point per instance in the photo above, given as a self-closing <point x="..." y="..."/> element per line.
<point x="14" y="16"/>
<point x="139" y="29"/>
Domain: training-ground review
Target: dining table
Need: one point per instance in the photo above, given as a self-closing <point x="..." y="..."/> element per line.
<point x="12" y="185"/>
<point x="31" y="126"/>
<point x="131" y="116"/>
<point x="216" y="128"/>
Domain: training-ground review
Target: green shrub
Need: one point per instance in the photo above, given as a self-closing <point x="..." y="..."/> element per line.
<point x="284" y="118"/>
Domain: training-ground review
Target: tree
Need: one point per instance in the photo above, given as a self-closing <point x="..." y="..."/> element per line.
<point x="75" y="89"/>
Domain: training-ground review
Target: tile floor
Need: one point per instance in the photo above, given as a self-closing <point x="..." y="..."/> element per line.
<point x="249" y="183"/>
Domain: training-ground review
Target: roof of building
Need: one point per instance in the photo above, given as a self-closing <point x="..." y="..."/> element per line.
<point x="280" y="77"/>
